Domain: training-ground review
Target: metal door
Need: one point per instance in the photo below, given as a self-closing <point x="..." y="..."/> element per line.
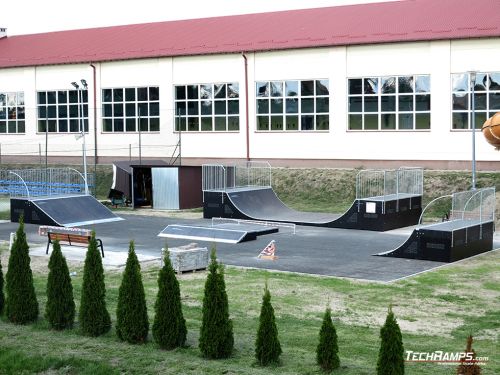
<point x="165" y="188"/>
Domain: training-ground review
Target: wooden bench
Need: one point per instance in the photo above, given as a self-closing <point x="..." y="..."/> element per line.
<point x="72" y="239"/>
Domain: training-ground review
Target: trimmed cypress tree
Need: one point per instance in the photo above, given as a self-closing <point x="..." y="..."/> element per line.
<point x="327" y="355"/>
<point x="60" y="308"/>
<point x="391" y="354"/>
<point x="169" y="326"/>
<point x="93" y="316"/>
<point x="21" y="305"/>
<point x="216" y="333"/>
<point x="267" y="345"/>
<point x="132" y="323"/>
<point x="2" y="297"/>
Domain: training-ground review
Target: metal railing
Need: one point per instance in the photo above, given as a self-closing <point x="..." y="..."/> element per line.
<point x="472" y="207"/>
<point x="381" y="183"/>
<point x="476" y="204"/>
<point x="389" y="184"/>
<point x="43" y="182"/>
<point x="431" y="203"/>
<point x="410" y="181"/>
<point x="219" y="178"/>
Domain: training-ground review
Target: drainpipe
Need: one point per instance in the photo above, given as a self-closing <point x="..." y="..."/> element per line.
<point x="246" y="106"/>
<point x="95" y="114"/>
<point x="94" y="85"/>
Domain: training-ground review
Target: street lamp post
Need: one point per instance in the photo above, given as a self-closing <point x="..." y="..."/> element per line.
<point x="81" y="115"/>
<point x="472" y="77"/>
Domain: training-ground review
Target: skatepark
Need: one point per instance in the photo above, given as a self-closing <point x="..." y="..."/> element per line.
<point x="343" y="245"/>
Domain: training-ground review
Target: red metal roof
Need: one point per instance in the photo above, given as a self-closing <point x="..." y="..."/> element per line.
<point x="400" y="21"/>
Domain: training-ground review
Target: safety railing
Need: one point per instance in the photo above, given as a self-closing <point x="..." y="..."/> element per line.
<point x="43" y="182"/>
<point x="219" y="178"/>
<point x="389" y="184"/>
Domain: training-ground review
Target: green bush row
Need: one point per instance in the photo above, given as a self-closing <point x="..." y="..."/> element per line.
<point x="169" y="327"/>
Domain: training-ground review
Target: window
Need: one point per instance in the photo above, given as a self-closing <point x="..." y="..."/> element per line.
<point x="131" y="109"/>
<point x="486" y="99"/>
<point x="207" y="107"/>
<point x="61" y="111"/>
<point x="12" y="112"/>
<point x="389" y="103"/>
<point x="293" y="105"/>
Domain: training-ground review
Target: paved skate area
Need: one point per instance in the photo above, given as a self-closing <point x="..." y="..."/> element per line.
<point x="312" y="250"/>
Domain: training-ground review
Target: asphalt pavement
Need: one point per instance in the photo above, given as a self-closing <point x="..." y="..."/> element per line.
<point x="311" y="250"/>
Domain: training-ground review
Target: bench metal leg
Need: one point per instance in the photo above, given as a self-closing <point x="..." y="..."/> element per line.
<point x="99" y="244"/>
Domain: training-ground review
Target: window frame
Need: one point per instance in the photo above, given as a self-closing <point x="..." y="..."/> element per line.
<point x="207" y="118"/>
<point x="397" y="113"/>
<point x="19" y="109"/>
<point x="115" y="104"/>
<point x="488" y="111"/>
<point x="300" y="98"/>
<point x="57" y="106"/>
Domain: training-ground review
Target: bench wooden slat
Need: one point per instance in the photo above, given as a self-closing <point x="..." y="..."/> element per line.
<point x="71" y="239"/>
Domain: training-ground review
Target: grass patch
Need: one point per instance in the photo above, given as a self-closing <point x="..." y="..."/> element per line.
<point x="16" y="362"/>
<point x="436" y="311"/>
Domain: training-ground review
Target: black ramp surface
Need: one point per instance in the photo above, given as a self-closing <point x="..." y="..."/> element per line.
<point x="76" y="210"/>
<point x="264" y="204"/>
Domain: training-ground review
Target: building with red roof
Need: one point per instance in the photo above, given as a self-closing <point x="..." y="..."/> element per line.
<point x="379" y="84"/>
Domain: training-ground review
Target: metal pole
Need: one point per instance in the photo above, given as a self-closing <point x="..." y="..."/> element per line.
<point x="40" y="154"/>
<point x="84" y="150"/>
<point x="180" y="135"/>
<point x="139" y="125"/>
<point x="473" y="125"/>
<point x="46" y="135"/>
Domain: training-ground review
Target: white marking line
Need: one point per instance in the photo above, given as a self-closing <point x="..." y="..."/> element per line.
<point x="442" y="266"/>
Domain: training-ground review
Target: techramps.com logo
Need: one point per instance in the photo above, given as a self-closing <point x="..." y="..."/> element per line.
<point x="445" y="358"/>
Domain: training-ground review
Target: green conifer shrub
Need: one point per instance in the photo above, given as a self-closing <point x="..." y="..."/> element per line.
<point x="391" y="354"/>
<point x="132" y="323"/>
<point x="60" y="308"/>
<point x="2" y="296"/>
<point x="21" y="303"/>
<point x="267" y="344"/>
<point x="327" y="355"/>
<point x="169" y="326"/>
<point x="216" y="333"/>
<point x="94" y="318"/>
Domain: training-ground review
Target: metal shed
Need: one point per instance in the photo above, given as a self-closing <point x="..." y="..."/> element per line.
<point x="156" y="184"/>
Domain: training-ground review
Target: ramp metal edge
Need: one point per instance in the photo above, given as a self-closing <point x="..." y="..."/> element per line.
<point x="202" y="238"/>
<point x="90" y="222"/>
<point x="207" y="239"/>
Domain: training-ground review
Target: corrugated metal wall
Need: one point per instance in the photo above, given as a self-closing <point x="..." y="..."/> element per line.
<point x="165" y="188"/>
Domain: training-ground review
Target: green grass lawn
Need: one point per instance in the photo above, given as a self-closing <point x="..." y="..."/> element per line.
<point x="435" y="310"/>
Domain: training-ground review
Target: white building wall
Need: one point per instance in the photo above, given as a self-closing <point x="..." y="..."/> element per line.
<point x="212" y="69"/>
<point x="438" y="58"/>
